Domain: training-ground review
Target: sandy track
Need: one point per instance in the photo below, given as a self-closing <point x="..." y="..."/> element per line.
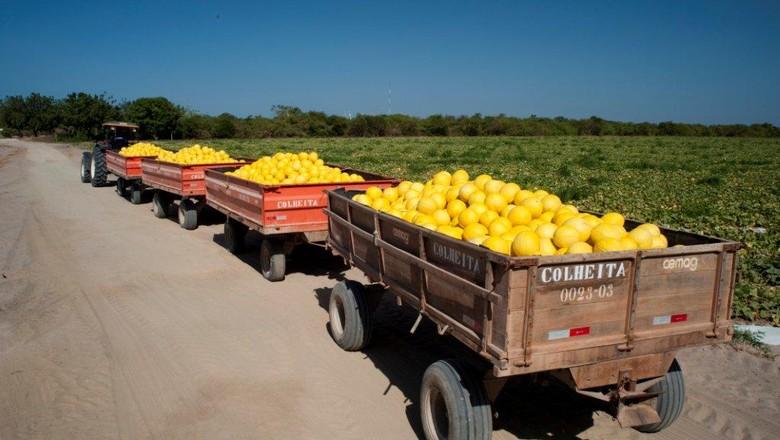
<point x="114" y="324"/>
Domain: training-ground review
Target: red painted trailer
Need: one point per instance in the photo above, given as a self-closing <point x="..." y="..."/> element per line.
<point x="127" y="169"/>
<point x="285" y="215"/>
<point x="186" y="182"/>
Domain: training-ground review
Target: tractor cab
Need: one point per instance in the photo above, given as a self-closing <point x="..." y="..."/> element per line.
<point x="119" y="134"/>
<point x="115" y="136"/>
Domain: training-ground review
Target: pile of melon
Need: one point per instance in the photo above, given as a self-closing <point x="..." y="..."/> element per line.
<point x="293" y="168"/>
<point x="143" y="149"/>
<point x="507" y="218"/>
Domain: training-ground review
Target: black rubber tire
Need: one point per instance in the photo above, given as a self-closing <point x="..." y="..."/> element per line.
<point x="351" y="322"/>
<point x="670" y="401"/>
<point x="86" y="163"/>
<point x="136" y="194"/>
<point x="235" y="234"/>
<point x="273" y="261"/>
<point x="121" y="186"/>
<point x="98" y="171"/>
<point x="453" y="403"/>
<point x="188" y="215"/>
<point x="161" y="205"/>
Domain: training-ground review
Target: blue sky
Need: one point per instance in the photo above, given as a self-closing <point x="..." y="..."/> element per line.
<point x="691" y="61"/>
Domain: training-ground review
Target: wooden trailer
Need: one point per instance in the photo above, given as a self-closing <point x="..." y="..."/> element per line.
<point x="607" y="324"/>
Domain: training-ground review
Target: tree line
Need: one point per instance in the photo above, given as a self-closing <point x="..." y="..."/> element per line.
<point x="80" y="115"/>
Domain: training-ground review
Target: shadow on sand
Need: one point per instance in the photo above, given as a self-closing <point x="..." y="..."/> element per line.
<point x="526" y="408"/>
<point x="307" y="259"/>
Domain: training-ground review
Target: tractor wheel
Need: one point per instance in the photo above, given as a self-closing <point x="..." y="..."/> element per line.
<point x="98" y="171"/>
<point x="453" y="404"/>
<point x="86" y="164"/>
<point x="188" y="215"/>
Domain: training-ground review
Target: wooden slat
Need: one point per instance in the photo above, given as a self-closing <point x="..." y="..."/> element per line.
<point x="460" y="258"/>
<point x="678" y="264"/>
<point x="518" y="286"/>
<point x="659" y="305"/>
<point x="676" y="283"/>
<point x="659" y="334"/>
<point x="550" y="298"/>
<point x="610" y="332"/>
<point x="400" y="234"/>
<point x="727" y="284"/>
<point x="583" y="312"/>
<point x="498" y="312"/>
<point x="694" y="315"/>
<point x="441" y="273"/>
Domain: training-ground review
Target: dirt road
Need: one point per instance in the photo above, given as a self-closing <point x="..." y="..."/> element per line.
<point x="114" y="324"/>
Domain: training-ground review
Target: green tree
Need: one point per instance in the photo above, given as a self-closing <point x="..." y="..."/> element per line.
<point x="14" y="113"/>
<point x="83" y="114"/>
<point x="40" y="113"/>
<point x="157" y="117"/>
<point x="224" y="126"/>
<point x="195" y="126"/>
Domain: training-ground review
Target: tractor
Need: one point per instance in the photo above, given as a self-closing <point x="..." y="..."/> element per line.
<point x="115" y="136"/>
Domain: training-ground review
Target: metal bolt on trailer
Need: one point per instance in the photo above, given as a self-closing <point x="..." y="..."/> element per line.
<point x="284" y="215"/>
<point x="608" y="325"/>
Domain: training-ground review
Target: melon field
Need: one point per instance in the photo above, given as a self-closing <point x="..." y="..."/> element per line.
<point x="725" y="187"/>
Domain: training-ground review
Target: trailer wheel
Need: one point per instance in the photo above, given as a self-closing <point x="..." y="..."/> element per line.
<point x="670" y="400"/>
<point x="188" y="215"/>
<point x="86" y="164"/>
<point x="235" y="232"/>
<point x="272" y="260"/>
<point x="121" y="186"/>
<point x="161" y="205"/>
<point x="351" y="323"/>
<point x="98" y="171"/>
<point x="453" y="404"/>
<point x="136" y="194"/>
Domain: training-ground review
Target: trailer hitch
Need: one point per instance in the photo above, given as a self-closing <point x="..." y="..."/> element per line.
<point x="628" y="399"/>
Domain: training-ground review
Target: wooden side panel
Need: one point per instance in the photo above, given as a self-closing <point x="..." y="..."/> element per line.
<point x="466" y="261"/>
<point x="338" y="232"/>
<point x="674" y="293"/>
<point x="455" y="256"/>
<point x="397" y="268"/>
<point x="338" y="205"/>
<point x="579" y="304"/>
<point x="365" y="251"/>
